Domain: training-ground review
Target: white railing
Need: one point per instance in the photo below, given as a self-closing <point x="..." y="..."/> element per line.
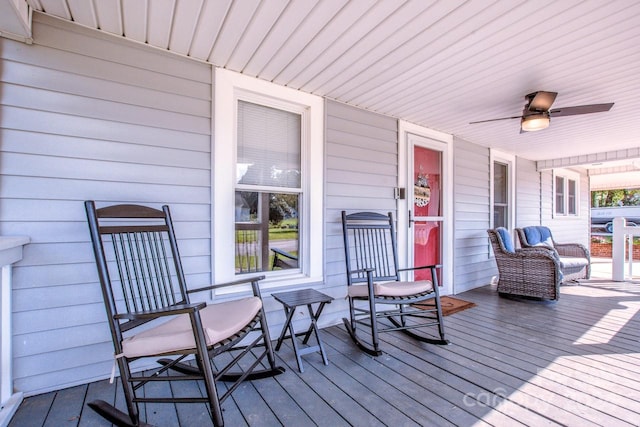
<point x="622" y="235"/>
<point x="10" y="399"/>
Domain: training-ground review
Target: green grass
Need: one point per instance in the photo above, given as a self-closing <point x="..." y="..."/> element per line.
<point x="282" y="234"/>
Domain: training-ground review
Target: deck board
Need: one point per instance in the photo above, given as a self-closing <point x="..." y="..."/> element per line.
<point x="575" y="362"/>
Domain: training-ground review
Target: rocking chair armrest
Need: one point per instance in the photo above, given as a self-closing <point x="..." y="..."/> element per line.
<point x="170" y="311"/>
<point x="284" y="254"/>
<point x="253" y="279"/>
<point x="421" y="267"/>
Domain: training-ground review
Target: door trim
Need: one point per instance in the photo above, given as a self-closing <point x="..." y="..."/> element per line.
<point x="442" y="142"/>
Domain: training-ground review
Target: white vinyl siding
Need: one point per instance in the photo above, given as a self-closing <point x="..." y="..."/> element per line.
<point x="528" y="193"/>
<point x="566" y="228"/>
<point x="472" y="211"/>
<point x="361" y="173"/>
<point x="132" y="126"/>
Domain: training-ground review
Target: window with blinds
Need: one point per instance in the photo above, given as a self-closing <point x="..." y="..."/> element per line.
<point x="268" y="188"/>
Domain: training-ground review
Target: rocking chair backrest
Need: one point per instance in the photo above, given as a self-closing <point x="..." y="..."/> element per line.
<point x="370" y="243"/>
<point x="135" y="248"/>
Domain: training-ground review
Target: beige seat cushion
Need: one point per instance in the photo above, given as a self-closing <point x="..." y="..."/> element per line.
<point x="392" y="289"/>
<point x="219" y="321"/>
<point x="573" y="262"/>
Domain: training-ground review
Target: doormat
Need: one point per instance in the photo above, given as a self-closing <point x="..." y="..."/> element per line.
<point x="449" y="305"/>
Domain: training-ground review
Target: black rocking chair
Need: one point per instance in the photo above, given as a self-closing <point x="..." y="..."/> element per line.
<point x="142" y="281"/>
<point x="373" y="279"/>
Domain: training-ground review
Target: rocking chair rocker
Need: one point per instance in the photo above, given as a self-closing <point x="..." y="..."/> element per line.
<point x="373" y="279"/>
<point x="142" y="281"/>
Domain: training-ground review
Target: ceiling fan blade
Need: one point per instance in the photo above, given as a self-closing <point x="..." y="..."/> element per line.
<point x="541" y="100"/>
<point x="495" y="120"/>
<point x="580" y="109"/>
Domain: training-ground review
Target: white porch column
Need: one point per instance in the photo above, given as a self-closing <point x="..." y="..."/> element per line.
<point x="618" y="249"/>
<point x="10" y="252"/>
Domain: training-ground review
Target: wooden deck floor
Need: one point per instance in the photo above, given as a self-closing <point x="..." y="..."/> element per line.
<point x="575" y="362"/>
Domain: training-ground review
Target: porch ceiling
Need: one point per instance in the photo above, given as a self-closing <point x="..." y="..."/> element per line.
<point x="440" y="64"/>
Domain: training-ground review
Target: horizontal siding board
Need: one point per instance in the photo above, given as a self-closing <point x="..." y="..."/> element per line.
<point x="55" y="188"/>
<point x="115" y="151"/>
<point x="347" y="190"/>
<point x="30" y="165"/>
<point x="110" y="72"/>
<point x="39" y="77"/>
<point x="56" y="34"/>
<point x="371" y="203"/>
<point x="368" y="153"/>
<point x="16" y="211"/>
<point x="73" y="106"/>
<point x="67" y="251"/>
<point x="362" y="129"/>
<point x="363" y="178"/>
<point x="334" y="136"/>
<point x="91" y="128"/>
<point x="472" y="180"/>
<point x="339" y="110"/>
<point x="363" y="165"/>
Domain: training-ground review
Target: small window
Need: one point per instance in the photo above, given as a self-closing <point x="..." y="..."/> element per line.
<point x="565" y="193"/>
<point x="267" y="182"/>
<point x="268" y="158"/>
<point x="560" y="199"/>
<point x="500" y="195"/>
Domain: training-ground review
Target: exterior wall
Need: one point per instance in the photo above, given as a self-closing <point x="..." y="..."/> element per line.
<point x="131" y="127"/>
<point x="361" y="173"/>
<point x="570" y="229"/>
<point x="473" y="263"/>
<point x="528" y="195"/>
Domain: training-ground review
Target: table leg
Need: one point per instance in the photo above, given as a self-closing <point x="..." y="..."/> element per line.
<point x="288" y="314"/>
<point x="314" y="318"/>
<point x="314" y="328"/>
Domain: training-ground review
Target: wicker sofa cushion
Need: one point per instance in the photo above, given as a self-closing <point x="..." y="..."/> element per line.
<point x="572" y="262"/>
<point x="219" y="321"/>
<point x="507" y="241"/>
<point x="392" y="289"/>
<point x="538" y="235"/>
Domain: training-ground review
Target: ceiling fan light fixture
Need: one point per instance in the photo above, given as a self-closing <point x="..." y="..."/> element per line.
<point x="535" y="122"/>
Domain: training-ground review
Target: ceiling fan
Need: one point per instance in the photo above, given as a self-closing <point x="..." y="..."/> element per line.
<point x="537" y="113"/>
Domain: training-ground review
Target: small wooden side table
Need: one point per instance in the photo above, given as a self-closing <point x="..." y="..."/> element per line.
<point x="290" y="301"/>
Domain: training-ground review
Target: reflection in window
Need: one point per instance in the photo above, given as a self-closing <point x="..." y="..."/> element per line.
<point x="265" y="221"/>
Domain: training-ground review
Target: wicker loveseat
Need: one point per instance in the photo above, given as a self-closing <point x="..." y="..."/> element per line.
<point x="527" y="272"/>
<point x="575" y="261"/>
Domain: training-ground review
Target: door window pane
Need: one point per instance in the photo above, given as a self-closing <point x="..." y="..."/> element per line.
<point x="426" y="185"/>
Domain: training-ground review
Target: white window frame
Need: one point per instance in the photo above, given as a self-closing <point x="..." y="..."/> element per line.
<point x="228" y="88"/>
<point x="567" y="175"/>
<point x="510" y="161"/>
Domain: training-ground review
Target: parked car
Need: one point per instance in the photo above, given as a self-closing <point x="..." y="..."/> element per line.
<point x="603" y="217"/>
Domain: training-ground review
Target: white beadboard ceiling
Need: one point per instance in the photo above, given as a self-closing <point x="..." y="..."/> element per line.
<point x="440" y="64"/>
